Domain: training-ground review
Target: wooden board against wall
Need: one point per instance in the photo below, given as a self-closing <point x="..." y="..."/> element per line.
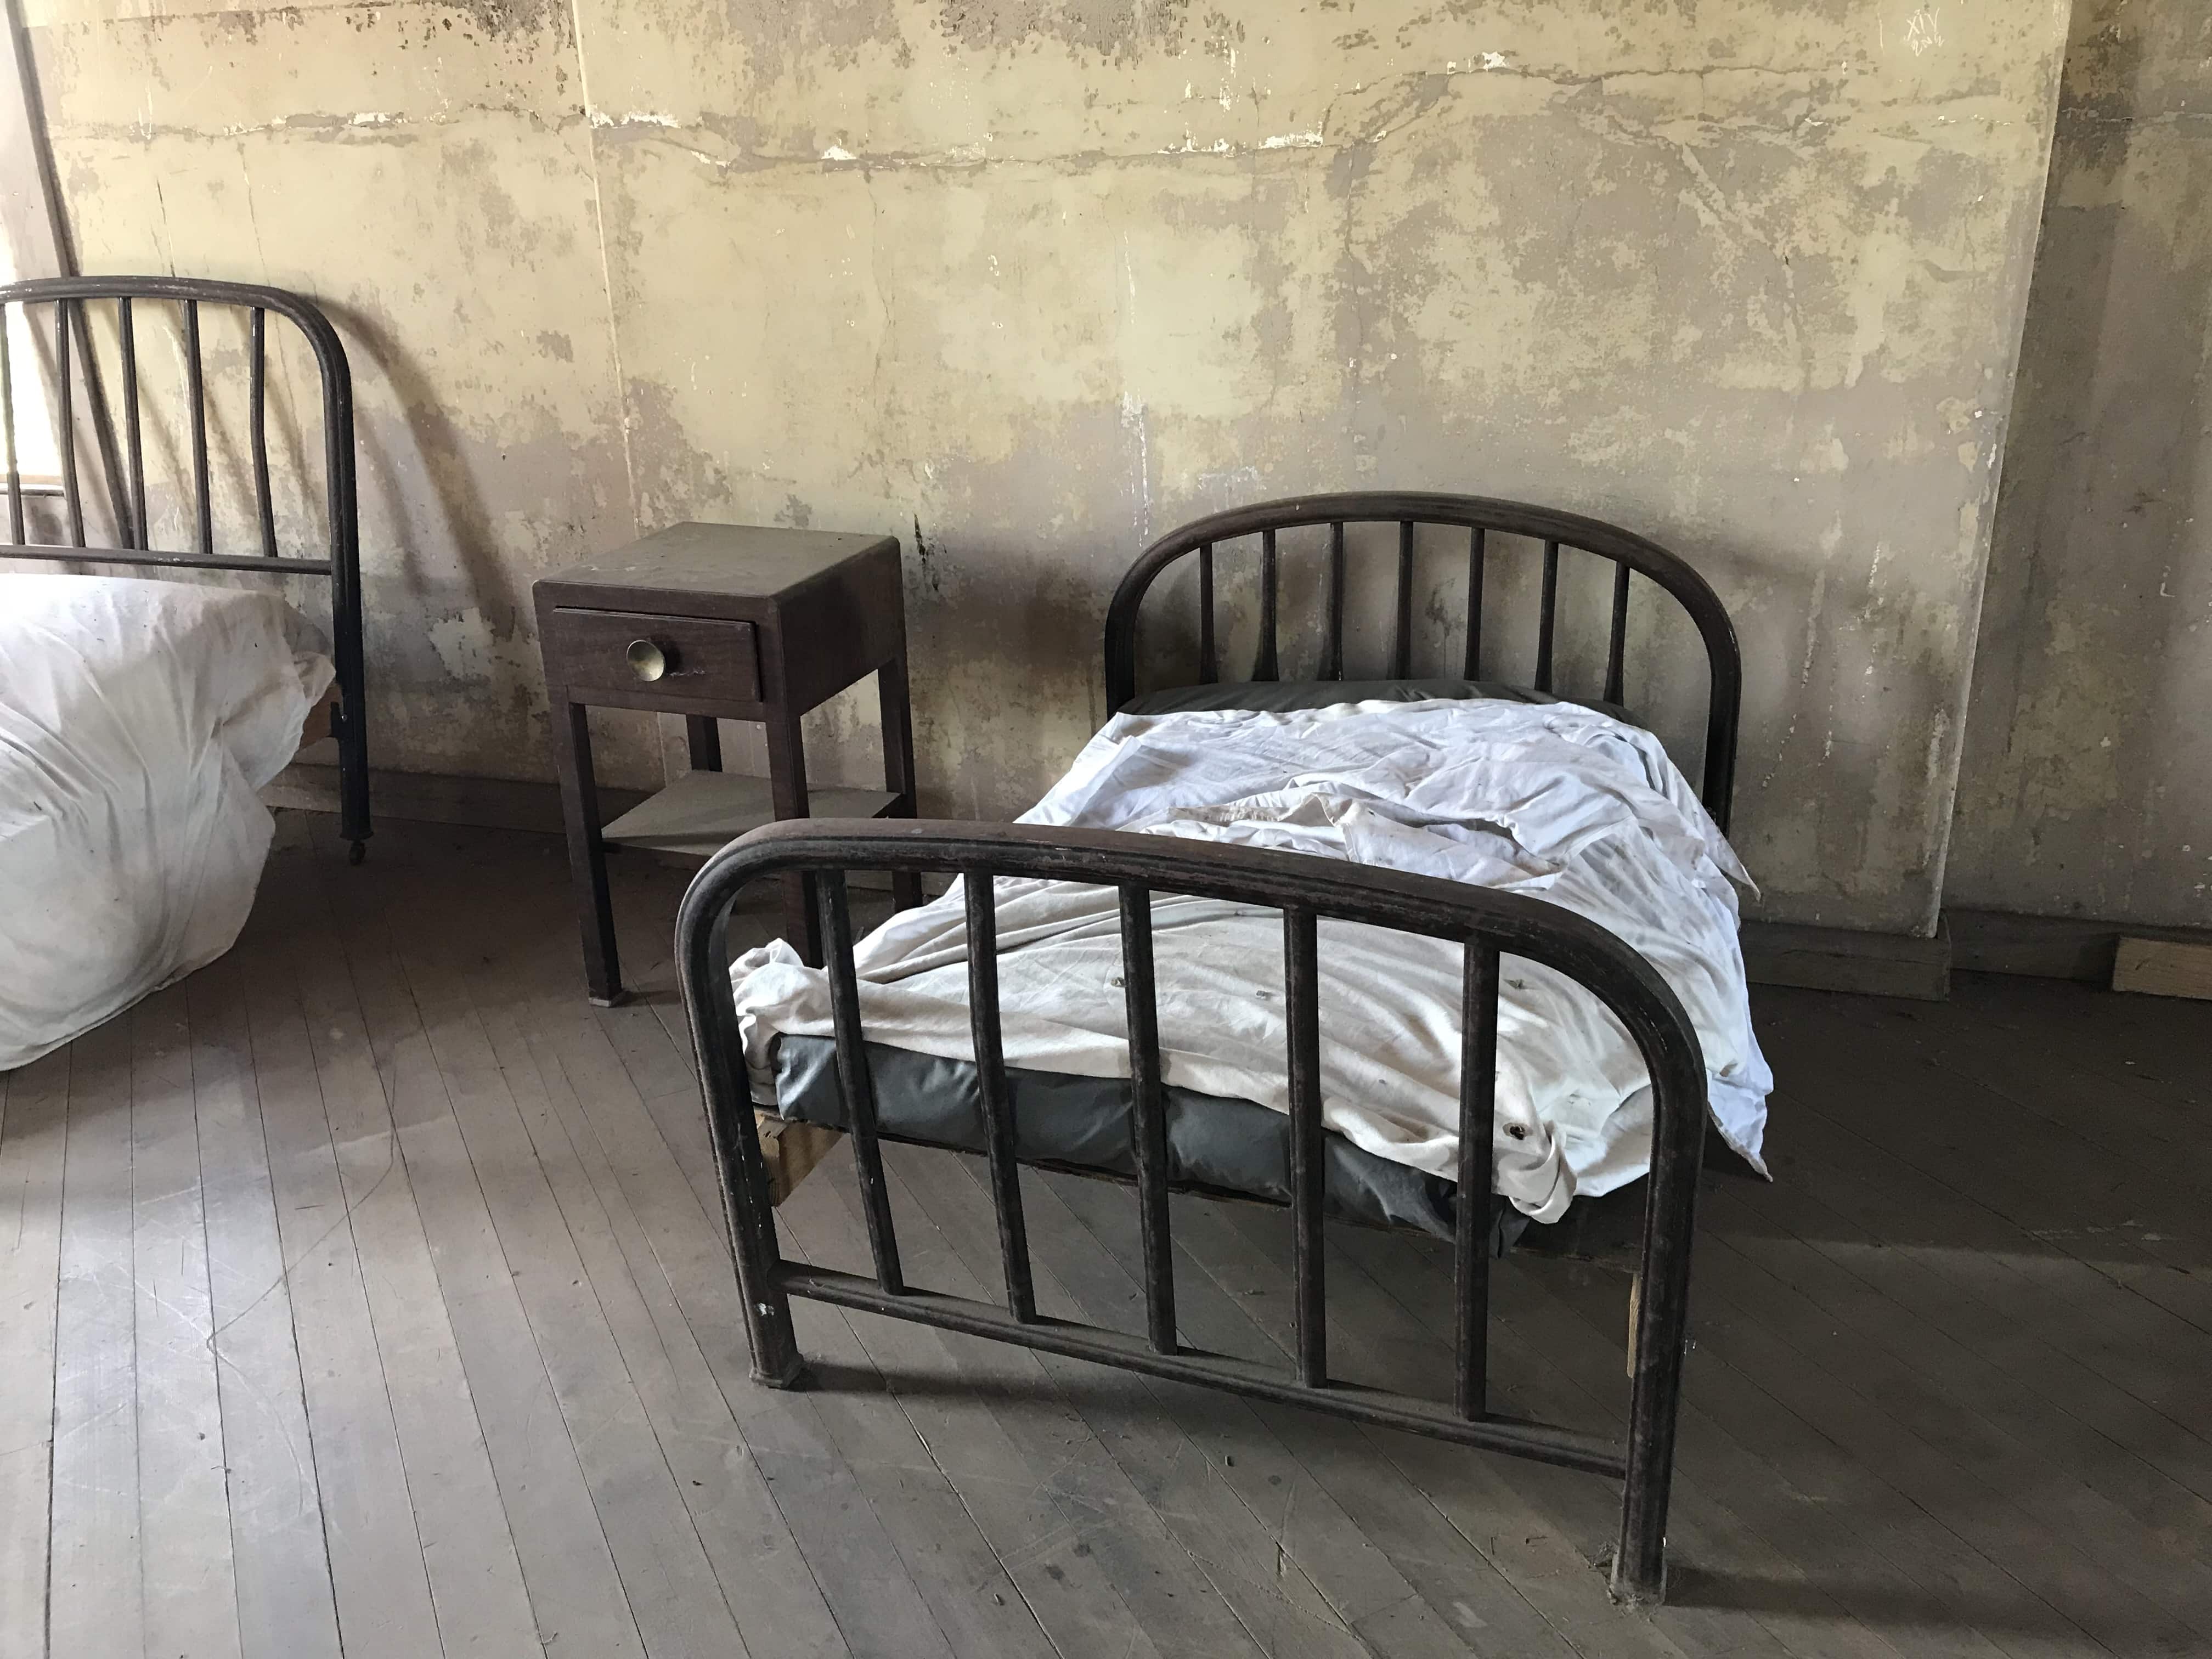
<point x="792" y="1150"/>
<point x="2163" y="968"/>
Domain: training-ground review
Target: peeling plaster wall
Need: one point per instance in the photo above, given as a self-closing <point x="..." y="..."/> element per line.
<point x="1028" y="282"/>
<point x="2087" y="788"/>
<point x="426" y="170"/>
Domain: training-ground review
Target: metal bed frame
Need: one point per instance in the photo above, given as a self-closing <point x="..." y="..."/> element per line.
<point x="125" y="475"/>
<point x="1490" y="926"/>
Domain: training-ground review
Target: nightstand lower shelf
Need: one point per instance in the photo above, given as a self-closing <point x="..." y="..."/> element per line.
<point x="701" y="812"/>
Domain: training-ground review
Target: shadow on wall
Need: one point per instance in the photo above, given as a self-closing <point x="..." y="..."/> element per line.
<point x="465" y="524"/>
<point x="437" y="586"/>
<point x="2088" y="782"/>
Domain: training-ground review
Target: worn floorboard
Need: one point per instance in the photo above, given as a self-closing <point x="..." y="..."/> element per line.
<point x="366" y="1294"/>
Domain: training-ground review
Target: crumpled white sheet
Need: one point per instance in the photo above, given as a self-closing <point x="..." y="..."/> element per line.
<point x="138" y="717"/>
<point x="1552" y="799"/>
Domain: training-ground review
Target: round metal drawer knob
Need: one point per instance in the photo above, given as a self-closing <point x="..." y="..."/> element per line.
<point x="646" y="660"/>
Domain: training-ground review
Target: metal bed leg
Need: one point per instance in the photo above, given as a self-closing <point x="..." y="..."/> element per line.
<point x="776" y="1361"/>
<point x="351" y="719"/>
<point x="1658" y="1344"/>
<point x="775" y="1345"/>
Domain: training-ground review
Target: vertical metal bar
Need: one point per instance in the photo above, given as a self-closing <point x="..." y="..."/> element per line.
<point x="343" y="509"/>
<point x="1478" y="1110"/>
<point x="1617" y="642"/>
<point x="257" y="329"/>
<point x="1662" y="1321"/>
<point x="1476" y="549"/>
<point x="1209" y="663"/>
<point x="1720" y="719"/>
<point x="1546" y="625"/>
<point x="981" y="887"/>
<point x="1308" y="1156"/>
<point x="1265" y="669"/>
<point x="1334" y="668"/>
<point x="854" y="1080"/>
<point x="1148" y="1116"/>
<point x="8" y="428"/>
<point x="195" y="388"/>
<point x="141" y="533"/>
<point x="1401" y="639"/>
<point x="68" y="424"/>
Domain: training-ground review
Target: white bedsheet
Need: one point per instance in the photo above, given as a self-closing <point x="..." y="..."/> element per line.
<point x="138" y="719"/>
<point x="1552" y="799"/>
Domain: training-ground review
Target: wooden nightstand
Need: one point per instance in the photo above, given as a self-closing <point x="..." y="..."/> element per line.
<point x="721" y="622"/>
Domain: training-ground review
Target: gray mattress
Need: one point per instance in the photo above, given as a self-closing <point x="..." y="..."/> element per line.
<point x="1214" y="1144"/>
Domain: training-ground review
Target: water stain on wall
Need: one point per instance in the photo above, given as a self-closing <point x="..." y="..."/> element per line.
<point x="1029" y="283"/>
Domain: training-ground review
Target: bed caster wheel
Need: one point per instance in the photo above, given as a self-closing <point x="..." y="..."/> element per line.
<point x="357" y="852"/>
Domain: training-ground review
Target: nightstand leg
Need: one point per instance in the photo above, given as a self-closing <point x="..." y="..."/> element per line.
<point x="898" y="764"/>
<point x="706" y="740"/>
<point x="787" y="789"/>
<point x="587" y="854"/>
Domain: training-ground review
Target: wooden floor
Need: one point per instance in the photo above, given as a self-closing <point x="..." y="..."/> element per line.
<point x="363" y="1294"/>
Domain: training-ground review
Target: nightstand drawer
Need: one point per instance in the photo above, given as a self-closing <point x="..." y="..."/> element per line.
<point x="646" y="656"/>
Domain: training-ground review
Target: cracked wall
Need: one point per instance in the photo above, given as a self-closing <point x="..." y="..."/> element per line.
<point x="1028" y="282"/>
<point x="426" y="171"/>
<point x="2088" y="786"/>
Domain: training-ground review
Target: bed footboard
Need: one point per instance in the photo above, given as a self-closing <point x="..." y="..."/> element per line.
<point x="1490" y="925"/>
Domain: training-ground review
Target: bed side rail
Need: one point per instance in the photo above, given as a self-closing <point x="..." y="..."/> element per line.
<point x="1490" y="925"/>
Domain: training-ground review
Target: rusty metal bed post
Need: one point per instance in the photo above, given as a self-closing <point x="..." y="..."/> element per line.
<point x="856" y="1081"/>
<point x="65" y="423"/>
<point x="1266" y="667"/>
<point x="980" y="890"/>
<point x="141" y="531"/>
<point x="1478" y="1118"/>
<point x="1308" y="1156"/>
<point x="346" y="612"/>
<point x="1662" y="1337"/>
<point x="702" y="968"/>
<point x="1148" y="1130"/>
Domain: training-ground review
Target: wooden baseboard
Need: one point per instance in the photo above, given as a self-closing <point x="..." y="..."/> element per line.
<point x="2079" y="948"/>
<point x="1841" y="959"/>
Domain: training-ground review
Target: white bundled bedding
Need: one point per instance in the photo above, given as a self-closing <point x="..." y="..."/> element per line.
<point x="138" y="720"/>
<point x="1552" y="799"/>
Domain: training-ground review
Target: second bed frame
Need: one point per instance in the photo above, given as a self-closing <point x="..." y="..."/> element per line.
<point x="1489" y="925"/>
<point x="81" y="410"/>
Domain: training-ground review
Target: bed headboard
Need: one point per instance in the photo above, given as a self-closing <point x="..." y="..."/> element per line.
<point x="82" y="410"/>
<point x="1480" y="518"/>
